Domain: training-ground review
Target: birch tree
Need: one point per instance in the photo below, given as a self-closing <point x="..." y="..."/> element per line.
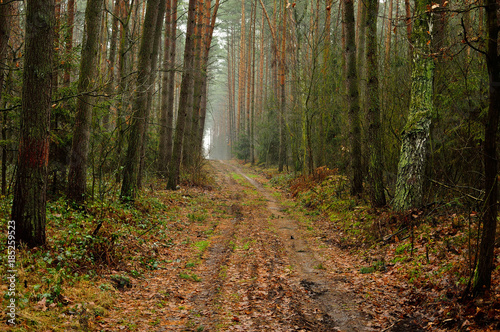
<point x="411" y="167"/>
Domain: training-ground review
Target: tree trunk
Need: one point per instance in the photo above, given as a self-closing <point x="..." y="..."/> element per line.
<point x="388" y="35"/>
<point x="111" y="85"/>
<point x="69" y="41"/>
<point x="124" y="68"/>
<point x="77" y="180"/>
<point x="230" y="81"/>
<point x="168" y="89"/>
<point x="411" y="167"/>
<point x="485" y="265"/>
<point x="252" y="92"/>
<point x="190" y="153"/>
<point x="187" y="81"/>
<point x="140" y="103"/>
<point x="241" y="74"/>
<point x="352" y="99"/>
<point x="28" y="208"/>
<point x="5" y="27"/>
<point x="151" y="88"/>
<point x="282" y="111"/>
<point x="360" y="48"/>
<point x="209" y="29"/>
<point x="5" y="13"/>
<point x="374" y="143"/>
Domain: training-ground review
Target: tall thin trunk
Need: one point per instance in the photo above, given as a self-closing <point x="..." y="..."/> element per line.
<point x="485" y="265"/>
<point x="190" y="140"/>
<point x="5" y="27"/>
<point x="140" y="103"/>
<point x="111" y="84"/>
<point x="387" y="57"/>
<point x="374" y="142"/>
<point x="208" y="34"/>
<point x="28" y="208"/>
<point x="353" y="99"/>
<point x="241" y="73"/>
<point x="326" y="99"/>
<point x="361" y="50"/>
<point x="186" y="83"/>
<point x="168" y="89"/>
<point x="282" y="111"/>
<point x="252" y="91"/>
<point x="260" y="93"/>
<point x="69" y="41"/>
<point x="123" y="81"/>
<point x="249" y="73"/>
<point x="388" y="35"/>
<point x="230" y="79"/>
<point x="77" y="179"/>
<point x="151" y="88"/>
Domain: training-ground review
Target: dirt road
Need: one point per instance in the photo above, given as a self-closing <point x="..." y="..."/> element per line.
<point x="237" y="261"/>
<point x="260" y="273"/>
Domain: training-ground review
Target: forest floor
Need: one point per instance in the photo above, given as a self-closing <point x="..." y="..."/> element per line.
<point x="241" y="254"/>
<point x="256" y="272"/>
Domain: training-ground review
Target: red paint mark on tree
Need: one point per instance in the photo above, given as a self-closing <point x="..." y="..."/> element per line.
<point x="34" y="152"/>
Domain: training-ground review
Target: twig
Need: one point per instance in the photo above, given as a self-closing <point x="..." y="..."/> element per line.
<point x="394" y="234"/>
<point x="455" y="189"/>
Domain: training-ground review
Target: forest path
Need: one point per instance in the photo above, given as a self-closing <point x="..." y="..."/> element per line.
<point x="239" y="258"/>
<point x="260" y="274"/>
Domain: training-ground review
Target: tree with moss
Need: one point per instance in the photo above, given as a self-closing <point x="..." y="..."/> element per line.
<point x="140" y="111"/>
<point x="415" y="135"/>
<point x="77" y="179"/>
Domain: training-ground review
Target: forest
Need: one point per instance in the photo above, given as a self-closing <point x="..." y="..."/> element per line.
<point x="179" y="144"/>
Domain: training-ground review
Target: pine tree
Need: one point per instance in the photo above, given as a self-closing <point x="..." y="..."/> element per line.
<point x="28" y="208"/>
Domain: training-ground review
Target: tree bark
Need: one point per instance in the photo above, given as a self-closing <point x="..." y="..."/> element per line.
<point x="28" y="208"/>
<point x="168" y="89"/>
<point x="190" y="153"/>
<point x="140" y="103"/>
<point x="282" y="111"/>
<point x="77" y="179"/>
<point x="5" y="13"/>
<point x="69" y="41"/>
<point x="252" y="92"/>
<point x="151" y="88"/>
<point x="209" y="30"/>
<point x="352" y="99"/>
<point x="361" y="50"/>
<point x="186" y="83"/>
<point x="6" y="10"/>
<point x="241" y="74"/>
<point x="374" y="143"/>
<point x="485" y="265"/>
<point x="111" y="85"/>
<point x="124" y="68"/>
<point x="411" y="167"/>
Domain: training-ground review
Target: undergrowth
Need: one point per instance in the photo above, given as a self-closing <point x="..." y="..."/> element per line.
<point x="92" y="252"/>
<point x="433" y="250"/>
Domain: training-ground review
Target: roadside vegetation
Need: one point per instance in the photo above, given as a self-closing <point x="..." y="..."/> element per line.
<point x="96" y="251"/>
<point x="425" y="257"/>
